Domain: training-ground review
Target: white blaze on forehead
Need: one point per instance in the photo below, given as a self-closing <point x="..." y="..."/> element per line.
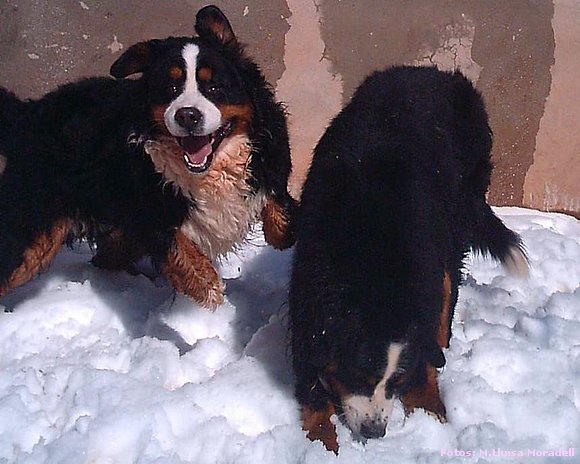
<point x="360" y="409"/>
<point x="192" y="97"/>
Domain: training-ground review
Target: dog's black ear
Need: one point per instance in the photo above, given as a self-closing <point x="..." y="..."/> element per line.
<point x="136" y="59"/>
<point x="212" y="24"/>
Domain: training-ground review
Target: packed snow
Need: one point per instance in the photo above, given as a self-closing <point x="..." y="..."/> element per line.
<point x="109" y="367"/>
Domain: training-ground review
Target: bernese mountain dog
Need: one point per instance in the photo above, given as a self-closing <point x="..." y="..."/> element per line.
<point x="393" y="202"/>
<point x="176" y="164"/>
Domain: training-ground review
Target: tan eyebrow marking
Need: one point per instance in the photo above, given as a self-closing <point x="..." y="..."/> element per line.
<point x="175" y="72"/>
<point x="204" y="74"/>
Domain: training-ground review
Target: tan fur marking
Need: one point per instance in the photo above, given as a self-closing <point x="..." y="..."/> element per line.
<point x="275" y="221"/>
<point x="2" y="164"/>
<point x="158" y="116"/>
<point x="204" y="74"/>
<point x="175" y="73"/>
<point x="443" y="332"/>
<point x="225" y="207"/>
<point x="319" y="426"/>
<point x="426" y="397"/>
<point x="241" y="114"/>
<point x="191" y="273"/>
<point x="38" y="256"/>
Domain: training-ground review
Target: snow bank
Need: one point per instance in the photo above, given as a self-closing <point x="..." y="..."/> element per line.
<point x="105" y="367"/>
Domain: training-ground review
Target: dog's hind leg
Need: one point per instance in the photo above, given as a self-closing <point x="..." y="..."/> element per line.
<point x="38" y="255"/>
<point x="192" y="273"/>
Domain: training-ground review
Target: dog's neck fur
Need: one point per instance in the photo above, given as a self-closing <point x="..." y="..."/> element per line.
<point x="225" y="205"/>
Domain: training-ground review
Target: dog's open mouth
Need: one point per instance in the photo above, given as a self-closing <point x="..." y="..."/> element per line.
<point x="199" y="150"/>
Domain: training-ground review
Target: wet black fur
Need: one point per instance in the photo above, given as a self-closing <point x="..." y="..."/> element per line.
<point x="75" y="153"/>
<point x="394" y="198"/>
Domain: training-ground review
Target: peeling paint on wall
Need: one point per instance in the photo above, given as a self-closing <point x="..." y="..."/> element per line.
<point x="454" y="51"/>
<point x="313" y="93"/>
<point x="115" y="46"/>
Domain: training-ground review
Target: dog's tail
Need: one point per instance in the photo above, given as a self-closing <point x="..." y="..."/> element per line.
<point x="491" y="237"/>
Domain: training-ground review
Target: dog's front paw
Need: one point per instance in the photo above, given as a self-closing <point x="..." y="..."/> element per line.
<point x="319" y="427"/>
<point x="213" y="294"/>
<point x="192" y="273"/>
<point x="426" y="396"/>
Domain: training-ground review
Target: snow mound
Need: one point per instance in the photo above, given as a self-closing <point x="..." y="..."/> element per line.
<point x="106" y="367"/>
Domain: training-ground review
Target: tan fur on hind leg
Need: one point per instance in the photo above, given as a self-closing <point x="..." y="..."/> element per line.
<point x="192" y="273"/>
<point x="38" y="256"/>
<point x="275" y="226"/>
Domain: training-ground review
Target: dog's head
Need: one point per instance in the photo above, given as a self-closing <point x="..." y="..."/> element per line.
<point x="195" y="88"/>
<point x="370" y="368"/>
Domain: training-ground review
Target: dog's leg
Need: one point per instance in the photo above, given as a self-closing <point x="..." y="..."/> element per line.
<point x="426" y="396"/>
<point x="318" y="425"/>
<point x="192" y="273"/>
<point x="313" y="395"/>
<point x="38" y="255"/>
<point x="276" y="219"/>
<point x="444" y="332"/>
<point x="117" y="251"/>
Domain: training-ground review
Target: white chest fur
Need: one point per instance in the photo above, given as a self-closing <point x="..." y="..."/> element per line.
<point x="225" y="208"/>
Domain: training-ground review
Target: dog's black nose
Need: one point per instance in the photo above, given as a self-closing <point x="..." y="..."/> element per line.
<point x="374" y="429"/>
<point x="189" y="118"/>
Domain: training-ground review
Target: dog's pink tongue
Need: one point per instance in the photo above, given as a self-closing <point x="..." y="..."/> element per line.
<point x="197" y="148"/>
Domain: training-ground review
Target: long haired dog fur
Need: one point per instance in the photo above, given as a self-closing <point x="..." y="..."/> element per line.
<point x="176" y="164"/>
<point x="394" y="199"/>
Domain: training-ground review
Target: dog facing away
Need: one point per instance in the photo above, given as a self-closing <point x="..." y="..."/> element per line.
<point x="176" y="164"/>
<point x="393" y="201"/>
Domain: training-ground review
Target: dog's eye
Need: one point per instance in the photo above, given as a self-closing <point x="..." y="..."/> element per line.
<point x="214" y="88"/>
<point x="174" y="90"/>
<point x="395" y="384"/>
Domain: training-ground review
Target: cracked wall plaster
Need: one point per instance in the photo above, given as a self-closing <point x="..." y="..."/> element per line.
<point x="317" y="51"/>
<point x="313" y="94"/>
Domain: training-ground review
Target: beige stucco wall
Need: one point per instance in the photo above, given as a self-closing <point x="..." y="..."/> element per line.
<point x="522" y="54"/>
<point x="553" y="180"/>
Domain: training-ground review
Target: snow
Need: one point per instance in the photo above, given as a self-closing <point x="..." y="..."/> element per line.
<point x="107" y="367"/>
